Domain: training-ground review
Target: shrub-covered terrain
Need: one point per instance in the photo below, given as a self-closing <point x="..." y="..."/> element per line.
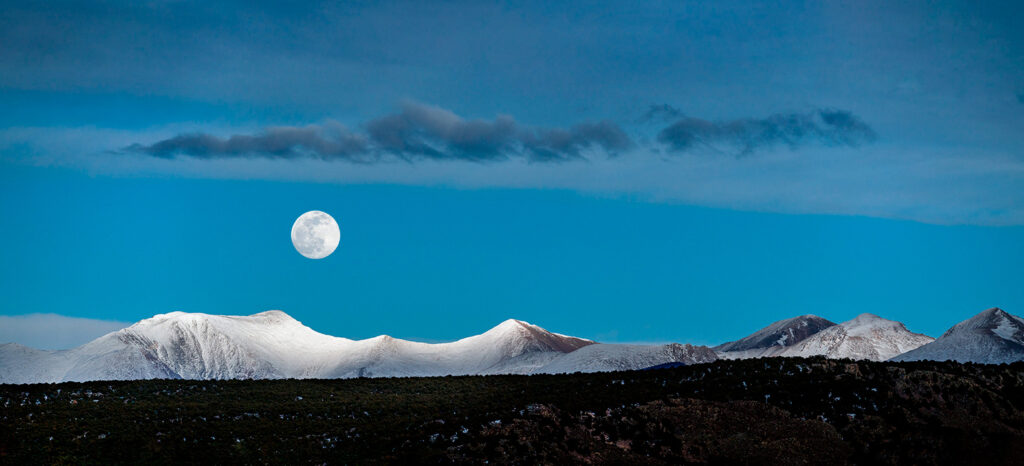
<point x="763" y="411"/>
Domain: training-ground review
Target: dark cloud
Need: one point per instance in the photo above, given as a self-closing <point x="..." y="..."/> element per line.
<point x="745" y="136"/>
<point x="416" y="132"/>
<point x="328" y="141"/>
<point x="432" y="132"/>
<point x="560" y="144"/>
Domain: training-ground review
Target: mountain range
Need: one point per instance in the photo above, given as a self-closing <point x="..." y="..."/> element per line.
<point x="274" y="345"/>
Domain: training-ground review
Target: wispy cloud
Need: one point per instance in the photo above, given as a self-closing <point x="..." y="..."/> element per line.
<point x="745" y="136"/>
<point x="54" y="331"/>
<point x="416" y="132"/>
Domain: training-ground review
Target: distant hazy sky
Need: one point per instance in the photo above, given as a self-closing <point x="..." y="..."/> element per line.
<point x="626" y="171"/>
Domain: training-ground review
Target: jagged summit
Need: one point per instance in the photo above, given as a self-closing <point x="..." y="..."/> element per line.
<point x="992" y="336"/>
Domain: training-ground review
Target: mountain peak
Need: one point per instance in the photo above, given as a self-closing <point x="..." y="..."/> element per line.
<point x="868" y="321"/>
<point x="993" y="312"/>
<point x="528" y="337"/>
<point x="866" y="336"/>
<point x="514" y="323"/>
<point x="272" y="316"/>
<point x="272" y="313"/>
<point x="516" y="327"/>
<point x="988" y="319"/>
<point x="867" y="317"/>
<point x="992" y="336"/>
<point x="275" y="316"/>
<point x="169" y="318"/>
<point x="782" y="333"/>
<point x="170" y="315"/>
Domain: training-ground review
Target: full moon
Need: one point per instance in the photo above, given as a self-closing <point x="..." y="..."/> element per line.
<point x="315" y="234"/>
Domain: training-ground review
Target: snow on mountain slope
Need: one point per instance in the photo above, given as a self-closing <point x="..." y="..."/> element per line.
<point x="512" y="347"/>
<point x="992" y="337"/>
<point x="865" y="337"/>
<point x="776" y="336"/>
<point x="609" y="357"/>
<point x="180" y="345"/>
<point x="274" y="345"/>
<point x="21" y="364"/>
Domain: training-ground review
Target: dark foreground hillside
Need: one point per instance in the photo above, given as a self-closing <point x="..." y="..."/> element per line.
<point x="766" y="411"/>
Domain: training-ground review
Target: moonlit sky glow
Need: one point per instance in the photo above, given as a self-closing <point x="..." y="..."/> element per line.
<point x="666" y="171"/>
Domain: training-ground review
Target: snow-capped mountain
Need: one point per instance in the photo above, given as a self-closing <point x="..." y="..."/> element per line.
<point x="992" y="337"/>
<point x="274" y="345"/>
<point x="776" y="336"/>
<point x="865" y="337"/>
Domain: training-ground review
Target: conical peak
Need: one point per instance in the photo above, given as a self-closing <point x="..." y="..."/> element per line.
<point x="514" y="323"/>
<point x="988" y="315"/>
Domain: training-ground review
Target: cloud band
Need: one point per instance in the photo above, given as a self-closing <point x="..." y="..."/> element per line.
<point x="745" y="136"/>
<point x="419" y="132"/>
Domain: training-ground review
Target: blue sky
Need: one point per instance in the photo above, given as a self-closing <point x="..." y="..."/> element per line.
<point x="668" y="171"/>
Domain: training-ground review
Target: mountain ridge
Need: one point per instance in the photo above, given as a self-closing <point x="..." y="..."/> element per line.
<point x="866" y="336"/>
